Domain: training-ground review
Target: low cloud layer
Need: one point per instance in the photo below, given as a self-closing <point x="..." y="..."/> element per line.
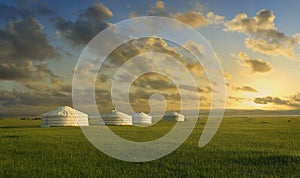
<point x="262" y="34"/>
<point x="245" y="89"/>
<point x="269" y="99"/>
<point x="238" y="99"/>
<point x="292" y="101"/>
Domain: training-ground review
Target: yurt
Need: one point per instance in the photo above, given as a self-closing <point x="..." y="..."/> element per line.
<point x="64" y="116"/>
<point x="116" y="118"/>
<point x="141" y="118"/>
<point x="173" y="116"/>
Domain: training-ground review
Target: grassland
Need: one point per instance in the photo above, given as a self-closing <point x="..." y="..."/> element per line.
<point x="242" y="147"/>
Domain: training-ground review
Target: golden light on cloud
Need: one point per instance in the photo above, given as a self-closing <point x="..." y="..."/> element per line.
<point x="259" y="50"/>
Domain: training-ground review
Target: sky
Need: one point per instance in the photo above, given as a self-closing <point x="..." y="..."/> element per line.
<point x="256" y="42"/>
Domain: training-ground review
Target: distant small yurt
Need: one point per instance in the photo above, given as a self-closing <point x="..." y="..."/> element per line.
<point x="173" y="116"/>
<point x="116" y="118"/>
<point x="141" y="118"/>
<point x="64" y="116"/>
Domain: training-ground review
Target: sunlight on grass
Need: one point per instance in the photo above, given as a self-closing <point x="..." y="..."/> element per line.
<point x="243" y="147"/>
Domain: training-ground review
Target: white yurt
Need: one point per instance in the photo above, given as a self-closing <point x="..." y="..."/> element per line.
<point x="173" y="116"/>
<point x="141" y="118"/>
<point x="116" y="118"/>
<point x="64" y="116"/>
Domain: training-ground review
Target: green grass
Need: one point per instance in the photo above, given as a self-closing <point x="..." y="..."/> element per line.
<point x="242" y="147"/>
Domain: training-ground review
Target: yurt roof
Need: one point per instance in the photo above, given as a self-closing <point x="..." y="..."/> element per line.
<point x="64" y="111"/>
<point x="141" y="114"/>
<point x="173" y="113"/>
<point x="115" y="113"/>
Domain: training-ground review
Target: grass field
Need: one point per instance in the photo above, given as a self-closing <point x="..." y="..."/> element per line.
<point x="242" y="147"/>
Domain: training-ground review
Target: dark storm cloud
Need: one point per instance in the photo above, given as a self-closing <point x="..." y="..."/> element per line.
<point x="89" y="23"/>
<point x="23" y="48"/>
<point x="27" y="39"/>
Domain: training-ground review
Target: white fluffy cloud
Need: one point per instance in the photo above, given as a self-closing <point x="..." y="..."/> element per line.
<point x="263" y="36"/>
<point x="196" y="19"/>
<point x="214" y="19"/>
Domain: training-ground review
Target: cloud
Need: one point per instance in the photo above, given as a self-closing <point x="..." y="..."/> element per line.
<point x="160" y="4"/>
<point x="140" y="46"/>
<point x="296" y="97"/>
<point x="292" y="101"/>
<point x="43" y="8"/>
<point x="269" y="99"/>
<point x="193" y="88"/>
<point x="36" y="98"/>
<point x="192" y="18"/>
<point x="197" y="19"/>
<point x="227" y="76"/>
<point x="139" y="99"/>
<point x="154" y="81"/>
<point x="215" y="19"/>
<point x="91" y="21"/>
<point x="25" y="39"/>
<point x="154" y="44"/>
<point x="238" y="99"/>
<point x="11" y="98"/>
<point x="196" y="49"/>
<point x="264" y="47"/>
<point x="24" y="53"/>
<point x="245" y="88"/>
<point x="195" y="68"/>
<point x="151" y="82"/>
<point x="27" y="71"/>
<point x="262" y="34"/>
<point x="24" y="47"/>
<point x="158" y="9"/>
<point x="133" y="14"/>
<point x="255" y="65"/>
<point x="258" y="66"/>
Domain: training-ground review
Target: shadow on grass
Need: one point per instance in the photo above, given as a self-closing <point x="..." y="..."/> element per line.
<point x="9" y="136"/>
<point x="19" y="126"/>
